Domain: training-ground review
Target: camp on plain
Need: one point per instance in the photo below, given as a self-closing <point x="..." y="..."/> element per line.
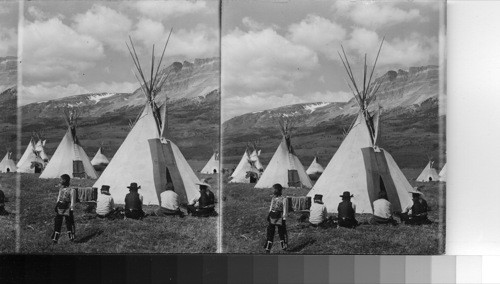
<point x="348" y="118"/>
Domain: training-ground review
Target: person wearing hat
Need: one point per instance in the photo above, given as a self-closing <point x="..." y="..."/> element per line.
<point x="133" y="202"/>
<point x="65" y="205"/>
<point x="204" y="204"/>
<point x="416" y="214"/>
<point x="382" y="213"/>
<point x="317" y="213"/>
<point x="169" y="202"/>
<point x="347" y="211"/>
<point x="105" y="204"/>
<point x="277" y="218"/>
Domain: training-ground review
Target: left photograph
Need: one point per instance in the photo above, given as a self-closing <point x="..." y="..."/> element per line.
<point x="120" y="115"/>
<point x="9" y="156"/>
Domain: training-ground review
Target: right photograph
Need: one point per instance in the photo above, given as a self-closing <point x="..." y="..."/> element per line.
<point x="333" y="127"/>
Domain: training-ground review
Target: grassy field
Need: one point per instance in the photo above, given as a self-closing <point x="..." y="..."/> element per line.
<point x="7" y="223"/>
<point x="244" y="227"/>
<point x="151" y="235"/>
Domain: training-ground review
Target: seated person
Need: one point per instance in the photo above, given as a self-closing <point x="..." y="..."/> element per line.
<point x="382" y="213"/>
<point x="318" y="214"/>
<point x="106" y="205"/>
<point x="416" y="214"/>
<point x="133" y="203"/>
<point x="169" y="201"/>
<point x="346" y="211"/>
<point x="3" y="212"/>
<point x="204" y="204"/>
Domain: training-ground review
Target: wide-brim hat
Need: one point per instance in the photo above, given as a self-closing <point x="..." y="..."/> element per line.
<point x="133" y="185"/>
<point x="416" y="191"/>
<point x="318" y="198"/>
<point x="202" y="182"/>
<point x="105" y="188"/>
<point x="346" y="194"/>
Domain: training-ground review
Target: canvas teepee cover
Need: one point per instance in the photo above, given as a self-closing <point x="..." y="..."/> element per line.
<point x="315" y="167"/>
<point x="442" y="174"/>
<point x="249" y="163"/>
<point x="428" y="173"/>
<point x="7" y="165"/>
<point x="359" y="166"/>
<point x="69" y="157"/>
<point x="99" y="159"/>
<point x="40" y="148"/>
<point x="285" y="167"/>
<point x="29" y="159"/>
<point x="146" y="156"/>
<point x="212" y="165"/>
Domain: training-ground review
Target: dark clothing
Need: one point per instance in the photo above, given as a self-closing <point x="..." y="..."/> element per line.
<point x="418" y="214"/>
<point x="3" y="212"/>
<point x="70" y="223"/>
<point x="2" y="197"/>
<point x="346" y="216"/>
<point x="206" y="205"/>
<point x="327" y="223"/>
<point x="133" y="201"/>
<point x="271" y="229"/>
<point x="134" y="214"/>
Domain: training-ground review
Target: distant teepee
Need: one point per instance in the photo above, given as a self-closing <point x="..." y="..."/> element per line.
<point x="359" y="165"/>
<point x="248" y="165"/>
<point x="285" y="167"/>
<point x="428" y="173"/>
<point x="212" y="166"/>
<point x="442" y="174"/>
<point x="315" y="167"/>
<point x="69" y="157"/>
<point x="7" y="165"/>
<point x="147" y="156"/>
<point x="99" y="161"/>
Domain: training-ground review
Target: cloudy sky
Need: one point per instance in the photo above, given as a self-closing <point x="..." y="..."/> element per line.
<point x="8" y="28"/>
<point x="71" y="48"/>
<point x="281" y="53"/>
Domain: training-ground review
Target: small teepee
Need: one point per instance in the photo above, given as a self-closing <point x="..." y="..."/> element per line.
<point x="69" y="157"/>
<point x="212" y="166"/>
<point x="147" y="156"/>
<point x="99" y="159"/>
<point x="7" y="165"/>
<point x="315" y="167"/>
<point x="428" y="173"/>
<point x="30" y="161"/>
<point x="285" y="167"/>
<point x="442" y="174"/>
<point x="359" y="165"/>
<point x="248" y="166"/>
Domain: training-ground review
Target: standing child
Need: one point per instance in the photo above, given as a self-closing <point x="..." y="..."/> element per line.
<point x="64" y="209"/>
<point x="277" y="218"/>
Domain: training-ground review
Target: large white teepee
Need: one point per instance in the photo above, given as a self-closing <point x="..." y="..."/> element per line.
<point x="249" y="162"/>
<point x="69" y="157"/>
<point x="359" y="166"/>
<point x="285" y="167"/>
<point x="315" y="167"/>
<point x="428" y="173"/>
<point x="442" y="174"/>
<point x="99" y="159"/>
<point x="146" y="156"/>
<point x="30" y="161"/>
<point x="212" y="166"/>
<point x="7" y="165"/>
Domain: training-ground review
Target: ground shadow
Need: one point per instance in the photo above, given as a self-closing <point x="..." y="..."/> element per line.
<point x="301" y="245"/>
<point x="88" y="237"/>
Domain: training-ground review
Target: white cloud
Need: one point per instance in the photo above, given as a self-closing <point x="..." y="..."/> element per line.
<point x="113" y="87"/>
<point x="36" y="13"/>
<point x="54" y="51"/>
<point x="199" y="42"/>
<point x="8" y="42"/>
<point x="161" y="9"/>
<point x="263" y="60"/>
<point x="252" y="24"/>
<point x="327" y="96"/>
<point x="319" y="34"/>
<point x="106" y="25"/>
<point x="372" y="14"/>
<point x="409" y="51"/>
